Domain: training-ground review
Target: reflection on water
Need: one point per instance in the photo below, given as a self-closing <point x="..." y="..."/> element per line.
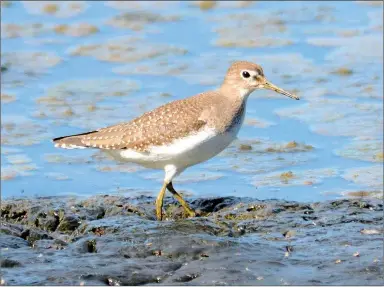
<point x="68" y="67"/>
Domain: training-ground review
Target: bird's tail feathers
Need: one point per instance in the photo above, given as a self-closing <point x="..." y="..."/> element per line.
<point x="72" y="141"/>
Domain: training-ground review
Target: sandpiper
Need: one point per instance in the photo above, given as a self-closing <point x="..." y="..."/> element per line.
<point x="181" y="133"/>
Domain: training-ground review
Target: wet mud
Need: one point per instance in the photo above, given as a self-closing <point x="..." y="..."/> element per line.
<point x="114" y="240"/>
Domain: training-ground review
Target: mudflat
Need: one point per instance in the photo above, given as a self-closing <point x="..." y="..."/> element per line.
<point x="115" y="240"/>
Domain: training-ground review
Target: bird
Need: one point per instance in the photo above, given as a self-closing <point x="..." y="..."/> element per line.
<point x="180" y="133"/>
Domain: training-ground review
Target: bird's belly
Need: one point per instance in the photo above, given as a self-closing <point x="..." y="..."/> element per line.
<point x="205" y="150"/>
<point x="182" y="152"/>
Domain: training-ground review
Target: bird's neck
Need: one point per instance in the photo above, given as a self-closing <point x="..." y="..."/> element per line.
<point x="234" y="92"/>
<point x="229" y="108"/>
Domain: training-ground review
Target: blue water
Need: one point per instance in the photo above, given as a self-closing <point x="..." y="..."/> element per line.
<point x="195" y="33"/>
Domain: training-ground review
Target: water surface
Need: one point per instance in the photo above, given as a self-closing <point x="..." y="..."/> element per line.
<point x="69" y="67"/>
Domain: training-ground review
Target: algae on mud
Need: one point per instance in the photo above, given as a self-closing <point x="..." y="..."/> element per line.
<point x="6" y="99"/>
<point x="137" y="21"/>
<point x="61" y="240"/>
<point x="59" y="9"/>
<point x="126" y="50"/>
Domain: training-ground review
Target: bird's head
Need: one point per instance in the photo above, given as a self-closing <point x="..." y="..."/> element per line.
<point x="247" y="77"/>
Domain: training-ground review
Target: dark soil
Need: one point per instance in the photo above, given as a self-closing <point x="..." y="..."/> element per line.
<point x="111" y="240"/>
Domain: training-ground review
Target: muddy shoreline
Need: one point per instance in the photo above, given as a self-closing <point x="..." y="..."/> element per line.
<point x="114" y="240"/>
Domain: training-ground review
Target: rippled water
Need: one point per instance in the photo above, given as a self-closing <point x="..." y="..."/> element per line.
<point x="68" y="67"/>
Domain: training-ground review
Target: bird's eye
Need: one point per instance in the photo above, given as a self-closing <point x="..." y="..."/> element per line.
<point x="246" y="74"/>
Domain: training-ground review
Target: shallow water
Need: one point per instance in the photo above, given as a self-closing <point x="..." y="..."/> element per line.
<point x="79" y="66"/>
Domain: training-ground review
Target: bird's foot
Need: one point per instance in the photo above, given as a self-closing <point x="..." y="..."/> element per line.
<point x="189" y="211"/>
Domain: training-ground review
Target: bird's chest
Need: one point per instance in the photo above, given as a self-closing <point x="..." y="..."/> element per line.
<point x="235" y="124"/>
<point x="211" y="145"/>
<point x="229" y="117"/>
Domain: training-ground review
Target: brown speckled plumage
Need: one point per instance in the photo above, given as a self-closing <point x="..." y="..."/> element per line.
<point x="161" y="126"/>
<point x="219" y="110"/>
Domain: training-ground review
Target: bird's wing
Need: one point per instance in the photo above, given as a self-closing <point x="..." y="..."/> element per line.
<point x="155" y="128"/>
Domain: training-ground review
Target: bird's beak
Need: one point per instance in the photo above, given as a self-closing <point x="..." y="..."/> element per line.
<point x="269" y="86"/>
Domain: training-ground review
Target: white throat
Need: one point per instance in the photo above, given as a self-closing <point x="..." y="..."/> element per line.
<point x="244" y="93"/>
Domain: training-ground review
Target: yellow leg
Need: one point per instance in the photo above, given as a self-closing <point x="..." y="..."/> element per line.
<point x="159" y="202"/>
<point x="190" y="212"/>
